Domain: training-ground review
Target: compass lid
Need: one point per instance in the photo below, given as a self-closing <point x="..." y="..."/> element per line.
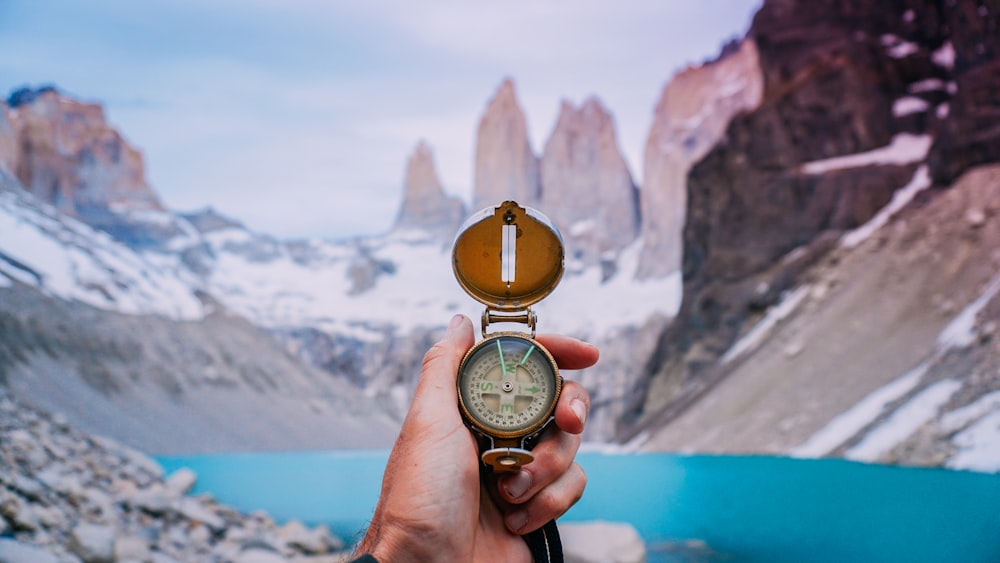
<point x="508" y="257"/>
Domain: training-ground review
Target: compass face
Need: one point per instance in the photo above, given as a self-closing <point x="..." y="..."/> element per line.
<point x="508" y="386"/>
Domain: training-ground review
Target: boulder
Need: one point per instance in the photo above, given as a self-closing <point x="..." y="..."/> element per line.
<point x="601" y="542"/>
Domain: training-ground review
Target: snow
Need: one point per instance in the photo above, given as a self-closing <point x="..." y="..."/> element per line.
<point x="902" y="423"/>
<point x="4" y="280"/>
<point x="927" y="85"/>
<point x="847" y="424"/>
<point x="760" y="331"/>
<point x="978" y="446"/>
<point x="73" y="261"/>
<point x="921" y="180"/>
<point x="585" y="306"/>
<point x="908" y="105"/>
<point x="961" y="331"/>
<point x="903" y="149"/>
<point x="944" y="56"/>
<point x="897" y="48"/>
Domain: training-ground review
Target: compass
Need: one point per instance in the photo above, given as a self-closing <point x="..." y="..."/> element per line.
<point x="508" y="257"/>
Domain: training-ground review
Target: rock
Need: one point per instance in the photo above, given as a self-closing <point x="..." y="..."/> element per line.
<point x="93" y="543"/>
<point x="975" y="218"/>
<point x="13" y="551"/>
<point x="601" y="542"/>
<point x="257" y="555"/>
<point x="181" y="481"/>
<point x="18" y="512"/>
<point x="505" y="167"/>
<point x="425" y="205"/>
<point x="586" y="186"/>
<point x="70" y="157"/>
<point x="691" y="117"/>
<point x="154" y="500"/>
<point x="317" y="540"/>
<point x="132" y="549"/>
<point x="196" y="512"/>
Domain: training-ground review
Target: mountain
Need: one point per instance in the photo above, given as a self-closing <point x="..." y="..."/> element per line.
<point x="587" y="185"/>
<point x="425" y="205"/>
<point x="860" y="103"/>
<point x="506" y="166"/>
<point x="807" y="270"/>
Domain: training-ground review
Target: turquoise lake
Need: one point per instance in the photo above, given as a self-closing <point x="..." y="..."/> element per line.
<point x="743" y="508"/>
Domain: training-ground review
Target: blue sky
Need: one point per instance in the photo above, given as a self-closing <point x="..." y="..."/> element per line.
<point x="297" y="117"/>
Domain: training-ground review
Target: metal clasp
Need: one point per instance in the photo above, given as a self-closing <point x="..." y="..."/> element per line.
<point x="527" y="316"/>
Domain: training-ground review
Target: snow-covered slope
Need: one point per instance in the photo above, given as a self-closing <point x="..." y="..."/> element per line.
<point x="887" y="352"/>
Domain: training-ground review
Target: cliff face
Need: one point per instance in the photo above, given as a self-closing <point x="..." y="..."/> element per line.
<point x="66" y="153"/>
<point x="425" y="205"/>
<point x="840" y="78"/>
<point x="586" y="186"/>
<point x="691" y="117"/>
<point x="506" y="167"/>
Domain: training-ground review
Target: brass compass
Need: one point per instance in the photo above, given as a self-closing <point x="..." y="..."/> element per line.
<point x="508" y="257"/>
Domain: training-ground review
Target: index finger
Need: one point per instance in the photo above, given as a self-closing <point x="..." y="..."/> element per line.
<point x="569" y="352"/>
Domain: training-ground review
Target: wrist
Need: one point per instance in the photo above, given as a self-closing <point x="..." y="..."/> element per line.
<point x="390" y="542"/>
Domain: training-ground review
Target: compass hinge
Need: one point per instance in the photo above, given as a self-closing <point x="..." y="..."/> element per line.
<point x="526" y="316"/>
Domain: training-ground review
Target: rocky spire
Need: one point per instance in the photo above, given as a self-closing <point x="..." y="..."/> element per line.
<point x="68" y="155"/>
<point x="8" y="140"/>
<point x="425" y="205"/>
<point x="587" y="188"/>
<point x="506" y="167"/>
<point x="692" y="115"/>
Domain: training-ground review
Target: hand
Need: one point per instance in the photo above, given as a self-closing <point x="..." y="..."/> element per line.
<point x="435" y="507"/>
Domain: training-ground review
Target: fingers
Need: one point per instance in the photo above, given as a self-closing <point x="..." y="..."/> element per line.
<point x="573" y="408"/>
<point x="440" y="364"/>
<point x="570" y="353"/>
<point x="554" y="454"/>
<point x="550" y="503"/>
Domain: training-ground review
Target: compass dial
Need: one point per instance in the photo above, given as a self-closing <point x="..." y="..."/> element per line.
<point x="508" y="385"/>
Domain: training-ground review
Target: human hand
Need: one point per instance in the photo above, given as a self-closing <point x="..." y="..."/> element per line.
<point x="435" y="507"/>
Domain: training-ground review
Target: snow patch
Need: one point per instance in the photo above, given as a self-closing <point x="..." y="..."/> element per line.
<point x="978" y="446"/>
<point x="945" y="56"/>
<point x="921" y="181"/>
<point x="751" y="340"/>
<point x="852" y="421"/>
<point x="897" y="48"/>
<point x="903" y="149"/>
<point x="902" y="423"/>
<point x="961" y="331"/>
<point x="909" y="105"/>
<point x="928" y="85"/>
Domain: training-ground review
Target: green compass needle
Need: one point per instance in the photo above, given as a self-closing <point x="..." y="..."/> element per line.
<point x="503" y="365"/>
<point x="525" y="358"/>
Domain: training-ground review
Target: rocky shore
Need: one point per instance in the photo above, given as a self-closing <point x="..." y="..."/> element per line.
<point x="69" y="497"/>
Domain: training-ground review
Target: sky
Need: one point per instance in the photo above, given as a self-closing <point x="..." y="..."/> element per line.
<point x="297" y="117"/>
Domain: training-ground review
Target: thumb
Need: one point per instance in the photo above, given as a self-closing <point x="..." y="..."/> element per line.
<point x="439" y="370"/>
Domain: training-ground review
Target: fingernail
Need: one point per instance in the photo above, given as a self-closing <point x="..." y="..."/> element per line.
<point x="453" y="326"/>
<point x="517" y="520"/>
<point x="579" y="409"/>
<point x="517" y="484"/>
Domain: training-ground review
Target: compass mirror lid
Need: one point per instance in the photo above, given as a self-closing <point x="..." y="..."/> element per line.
<point x="508" y="257"/>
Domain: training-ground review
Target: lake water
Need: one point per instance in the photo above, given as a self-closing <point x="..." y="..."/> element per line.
<point x="736" y="508"/>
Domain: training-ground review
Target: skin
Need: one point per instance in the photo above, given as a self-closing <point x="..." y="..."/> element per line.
<point x="435" y="506"/>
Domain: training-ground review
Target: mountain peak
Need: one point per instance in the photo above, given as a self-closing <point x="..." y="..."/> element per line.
<point x="64" y="151"/>
<point x="506" y="166"/>
<point x="587" y="188"/>
<point x="425" y="205"/>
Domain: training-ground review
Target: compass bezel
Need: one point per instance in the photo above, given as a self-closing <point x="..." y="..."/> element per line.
<point x="493" y="431"/>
